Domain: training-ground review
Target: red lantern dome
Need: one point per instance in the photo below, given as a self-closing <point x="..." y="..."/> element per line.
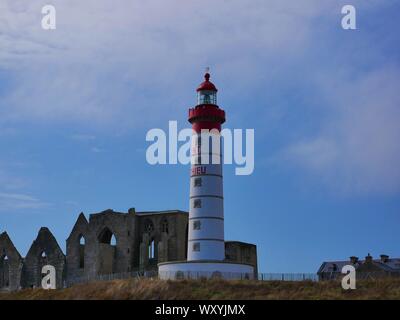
<point x="207" y="85"/>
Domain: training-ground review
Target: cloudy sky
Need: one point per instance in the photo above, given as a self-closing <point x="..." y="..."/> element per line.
<point x="76" y="104"/>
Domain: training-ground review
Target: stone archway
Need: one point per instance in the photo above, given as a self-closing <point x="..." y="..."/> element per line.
<point x="107" y="251"/>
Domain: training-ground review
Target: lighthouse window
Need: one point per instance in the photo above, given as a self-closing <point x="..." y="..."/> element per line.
<point x="197" y="182"/>
<point x="196" y="246"/>
<point x="197" y="203"/>
<point x="196" y="225"/>
<point x="207" y="97"/>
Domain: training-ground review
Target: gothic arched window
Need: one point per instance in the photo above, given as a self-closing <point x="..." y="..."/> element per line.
<point x="164" y="226"/>
<point x="43" y="258"/>
<point x="148" y="227"/>
<point x="152" y="250"/>
<point x="106" y="236"/>
<point x="81" y="252"/>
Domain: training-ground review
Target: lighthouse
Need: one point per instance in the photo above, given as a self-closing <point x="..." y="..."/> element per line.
<point x="206" y="239"/>
<point x="206" y="212"/>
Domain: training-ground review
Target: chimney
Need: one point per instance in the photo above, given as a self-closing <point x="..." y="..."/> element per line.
<point x="384" y="258"/>
<point x="353" y="259"/>
<point x="368" y="258"/>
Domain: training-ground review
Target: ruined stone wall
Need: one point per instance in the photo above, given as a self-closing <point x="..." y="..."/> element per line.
<point x="163" y="233"/>
<point x="241" y="252"/>
<point x="76" y="253"/>
<point x="44" y="251"/>
<point x="142" y="240"/>
<point x="134" y="232"/>
<point x="10" y="264"/>
<point x="98" y="250"/>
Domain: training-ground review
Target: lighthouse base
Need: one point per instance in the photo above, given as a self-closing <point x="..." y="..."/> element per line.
<point x="205" y="269"/>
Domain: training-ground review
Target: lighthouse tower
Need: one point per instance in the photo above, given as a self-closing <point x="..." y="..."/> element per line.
<point x="206" y="241"/>
<point x="206" y="214"/>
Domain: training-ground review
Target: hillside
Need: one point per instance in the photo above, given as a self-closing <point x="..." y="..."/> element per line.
<point x="214" y="289"/>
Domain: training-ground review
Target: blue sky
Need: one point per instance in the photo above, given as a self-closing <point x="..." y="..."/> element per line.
<point x="76" y="104"/>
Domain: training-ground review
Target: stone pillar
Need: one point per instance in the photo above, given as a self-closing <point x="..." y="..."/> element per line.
<point x="144" y="252"/>
<point x="163" y="248"/>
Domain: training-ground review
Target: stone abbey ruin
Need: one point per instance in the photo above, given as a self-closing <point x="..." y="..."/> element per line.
<point x="108" y="243"/>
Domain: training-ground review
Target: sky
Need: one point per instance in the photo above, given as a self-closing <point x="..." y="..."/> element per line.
<point x="76" y="104"/>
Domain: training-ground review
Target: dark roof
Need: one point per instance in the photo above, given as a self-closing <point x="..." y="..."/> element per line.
<point x="147" y="213"/>
<point x="240" y="243"/>
<point x="391" y="265"/>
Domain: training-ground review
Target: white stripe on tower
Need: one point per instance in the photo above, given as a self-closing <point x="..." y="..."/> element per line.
<point x="206" y="215"/>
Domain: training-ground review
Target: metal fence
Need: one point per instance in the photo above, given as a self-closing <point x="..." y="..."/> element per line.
<point x="109" y="277"/>
<point x="334" y="276"/>
<point x="287" y="277"/>
<point x="194" y="275"/>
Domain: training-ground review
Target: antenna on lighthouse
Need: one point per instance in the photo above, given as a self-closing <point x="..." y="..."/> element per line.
<point x="207" y="69"/>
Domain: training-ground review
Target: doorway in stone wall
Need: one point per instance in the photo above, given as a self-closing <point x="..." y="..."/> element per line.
<point x="107" y="251"/>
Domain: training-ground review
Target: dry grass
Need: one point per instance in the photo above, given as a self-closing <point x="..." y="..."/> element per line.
<point x="150" y="289"/>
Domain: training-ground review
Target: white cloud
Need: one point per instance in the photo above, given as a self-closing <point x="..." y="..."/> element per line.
<point x="115" y="62"/>
<point x="12" y="196"/>
<point x="15" y="201"/>
<point x="358" y="149"/>
<point x="10" y="182"/>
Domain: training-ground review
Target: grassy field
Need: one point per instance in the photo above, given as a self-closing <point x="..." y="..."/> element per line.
<point x="214" y="289"/>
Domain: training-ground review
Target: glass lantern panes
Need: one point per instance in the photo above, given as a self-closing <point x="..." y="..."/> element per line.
<point x="207" y="97"/>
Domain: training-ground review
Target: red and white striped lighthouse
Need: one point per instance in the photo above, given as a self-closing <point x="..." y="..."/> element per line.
<point x="206" y="241"/>
<point x="206" y="214"/>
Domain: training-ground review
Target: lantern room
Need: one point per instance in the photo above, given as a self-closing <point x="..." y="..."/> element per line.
<point x="207" y="92"/>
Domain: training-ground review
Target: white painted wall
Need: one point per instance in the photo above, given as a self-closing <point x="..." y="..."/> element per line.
<point x="206" y="269"/>
<point x="210" y="207"/>
<point x="209" y="250"/>
<point x="211" y="185"/>
<point x="209" y="228"/>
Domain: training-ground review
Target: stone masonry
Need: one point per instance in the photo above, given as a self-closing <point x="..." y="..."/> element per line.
<point x="108" y="243"/>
